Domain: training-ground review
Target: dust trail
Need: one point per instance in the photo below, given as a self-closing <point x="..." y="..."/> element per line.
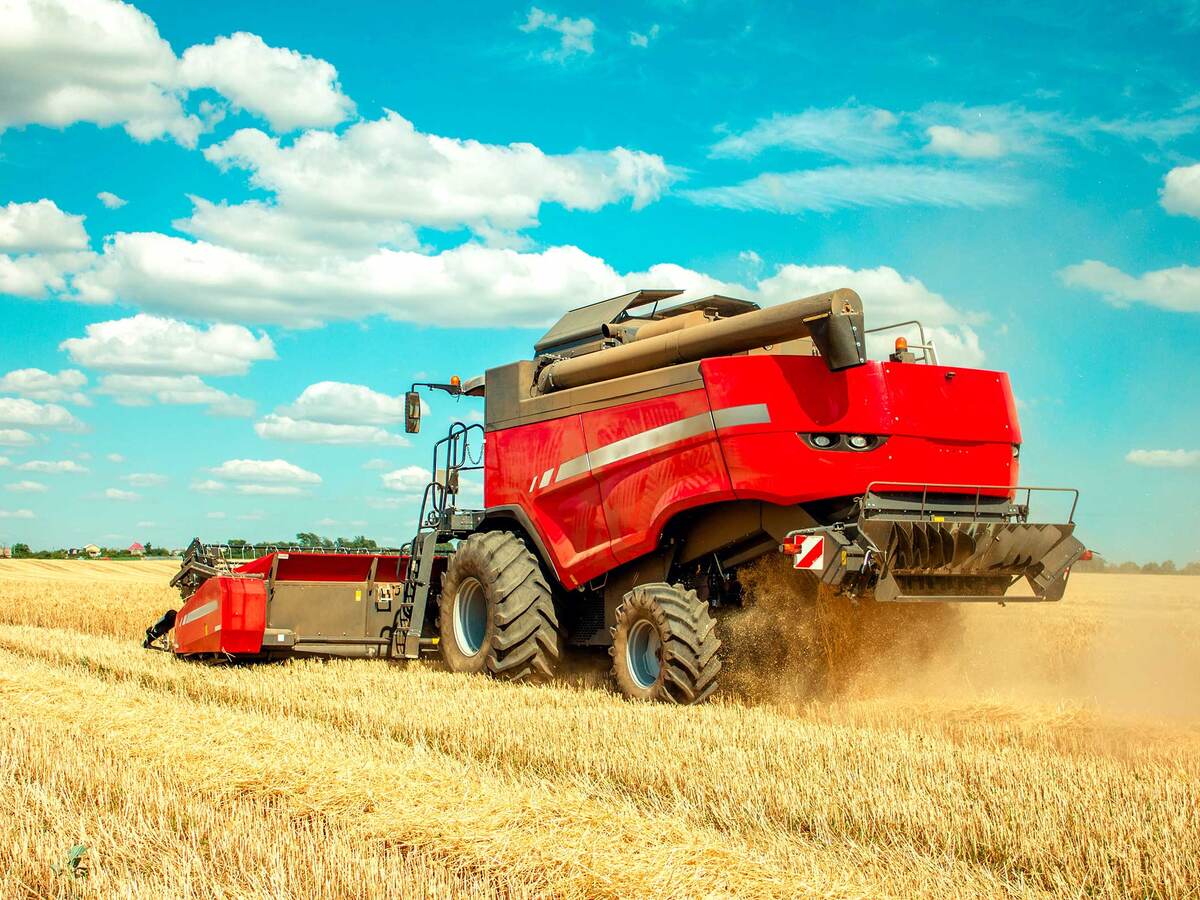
<point x="1113" y="644"/>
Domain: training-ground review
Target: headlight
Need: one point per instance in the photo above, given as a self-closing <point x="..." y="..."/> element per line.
<point x="859" y="441"/>
<point x="824" y="441"/>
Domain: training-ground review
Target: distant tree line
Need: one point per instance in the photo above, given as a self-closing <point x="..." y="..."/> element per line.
<point x="22" y="551"/>
<point x="1167" y="567"/>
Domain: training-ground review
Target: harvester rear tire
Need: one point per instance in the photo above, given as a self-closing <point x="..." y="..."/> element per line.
<point x="514" y="634"/>
<point x="672" y="626"/>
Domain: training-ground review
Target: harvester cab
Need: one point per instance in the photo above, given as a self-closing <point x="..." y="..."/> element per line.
<point x="641" y="458"/>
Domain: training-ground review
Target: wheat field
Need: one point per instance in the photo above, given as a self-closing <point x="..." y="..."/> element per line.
<point x="1052" y="750"/>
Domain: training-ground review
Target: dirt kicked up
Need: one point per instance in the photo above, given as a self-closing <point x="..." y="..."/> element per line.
<point x="1026" y="751"/>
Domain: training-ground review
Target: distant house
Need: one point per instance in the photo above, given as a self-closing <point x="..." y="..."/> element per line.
<point x="92" y="550"/>
<point x="136" y="549"/>
<point x="5" y="552"/>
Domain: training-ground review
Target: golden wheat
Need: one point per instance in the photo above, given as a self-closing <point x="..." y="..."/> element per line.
<point x="368" y="779"/>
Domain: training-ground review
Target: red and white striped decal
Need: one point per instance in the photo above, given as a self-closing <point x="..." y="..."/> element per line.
<point x="811" y="557"/>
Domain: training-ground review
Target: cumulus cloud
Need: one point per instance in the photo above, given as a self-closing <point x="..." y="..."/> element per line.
<point x="115" y="458"/>
<point x="850" y="132"/>
<point x="406" y="480"/>
<point x="31" y="414"/>
<point x="155" y="345"/>
<point x="265" y="471"/>
<point x="101" y="61"/>
<point x="1164" y="459"/>
<point x="284" y="428"/>
<point x="52" y="467"/>
<point x="40" y="227"/>
<point x="37" y="384"/>
<point x="1176" y="289"/>
<point x="258" y="227"/>
<point x="288" y="89"/>
<point x="120" y="495"/>
<point x="110" y="200"/>
<point x="26" y="487"/>
<point x="386" y="170"/>
<point x="350" y="404"/>
<point x="837" y="187"/>
<point x="39" y="246"/>
<point x="1180" y="192"/>
<point x="574" y="35"/>
<point x="950" y="141"/>
<point x="207" y="486"/>
<point x="173" y="390"/>
<point x="15" y="437"/>
<point x="16" y="514"/>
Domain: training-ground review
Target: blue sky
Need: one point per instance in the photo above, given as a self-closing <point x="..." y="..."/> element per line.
<point x="232" y="234"/>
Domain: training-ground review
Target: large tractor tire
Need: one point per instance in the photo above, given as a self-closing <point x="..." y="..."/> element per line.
<point x="665" y="645"/>
<point x="496" y="612"/>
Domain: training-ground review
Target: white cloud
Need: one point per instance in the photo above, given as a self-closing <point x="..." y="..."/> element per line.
<point x="640" y="39"/>
<point x="265" y="471"/>
<point x="251" y="517"/>
<point x="574" y="35"/>
<point x="349" y="404"/>
<point x="29" y="413"/>
<point x="1180" y="192"/>
<point x="288" y="89"/>
<point x="1176" y="289"/>
<point x="270" y="490"/>
<point x="37" y="384"/>
<point x="101" y="61"/>
<point x="111" y="200"/>
<point x="15" y="437"/>
<point x="327" y="522"/>
<point x="40" y="227"/>
<point x="52" y="467"/>
<point x="208" y="486"/>
<point x="258" y="227"/>
<point x="947" y="140"/>
<point x="26" y="487"/>
<point x="115" y="458"/>
<point x="175" y="390"/>
<point x="849" y="132"/>
<point x="1167" y="459"/>
<point x="407" y="480"/>
<point x="120" y="495"/>
<point x="284" y="428"/>
<point x="4" y="461"/>
<point x="155" y="345"/>
<point x="144" y="479"/>
<point x="16" y="514"/>
<point x="39" y="244"/>
<point x="385" y="170"/>
<point x="837" y="187"/>
<point x="483" y="285"/>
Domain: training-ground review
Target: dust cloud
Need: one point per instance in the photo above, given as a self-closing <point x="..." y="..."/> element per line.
<point x="1122" y="645"/>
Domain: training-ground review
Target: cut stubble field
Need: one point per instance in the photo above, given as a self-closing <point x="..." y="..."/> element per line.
<point x="1052" y="750"/>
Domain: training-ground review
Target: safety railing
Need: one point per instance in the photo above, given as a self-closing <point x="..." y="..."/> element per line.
<point x="875" y="503"/>
<point x="928" y="351"/>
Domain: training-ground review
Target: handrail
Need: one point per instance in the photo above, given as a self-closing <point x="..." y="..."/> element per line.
<point x="926" y="344"/>
<point x="1010" y="489"/>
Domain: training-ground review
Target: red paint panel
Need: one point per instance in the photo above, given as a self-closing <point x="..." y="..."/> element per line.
<point x="234" y="624"/>
<point x="566" y="514"/>
<point x="639" y="493"/>
<point x="957" y="429"/>
<point x="300" y="566"/>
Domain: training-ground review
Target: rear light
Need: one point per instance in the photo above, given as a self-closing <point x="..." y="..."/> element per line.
<point x="790" y="547"/>
<point x="859" y="441"/>
<point x="1087" y="556"/>
<point x="1016" y="451"/>
<point x="824" y="441"/>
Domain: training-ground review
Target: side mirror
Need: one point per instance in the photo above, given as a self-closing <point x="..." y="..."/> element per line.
<point x="412" y="412"/>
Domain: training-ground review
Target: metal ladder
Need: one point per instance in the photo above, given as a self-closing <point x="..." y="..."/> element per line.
<point x="439" y="521"/>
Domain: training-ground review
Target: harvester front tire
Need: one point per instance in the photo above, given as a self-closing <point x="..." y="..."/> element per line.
<point x="496" y="611"/>
<point x="665" y="645"/>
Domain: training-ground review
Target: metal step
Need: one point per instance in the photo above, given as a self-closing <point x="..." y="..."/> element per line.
<point x="416" y="591"/>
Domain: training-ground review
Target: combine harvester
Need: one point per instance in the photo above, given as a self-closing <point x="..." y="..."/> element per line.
<point x="633" y="466"/>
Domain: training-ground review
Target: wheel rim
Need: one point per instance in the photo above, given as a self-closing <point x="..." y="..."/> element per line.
<point x="470" y="616"/>
<point x="642" y="653"/>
